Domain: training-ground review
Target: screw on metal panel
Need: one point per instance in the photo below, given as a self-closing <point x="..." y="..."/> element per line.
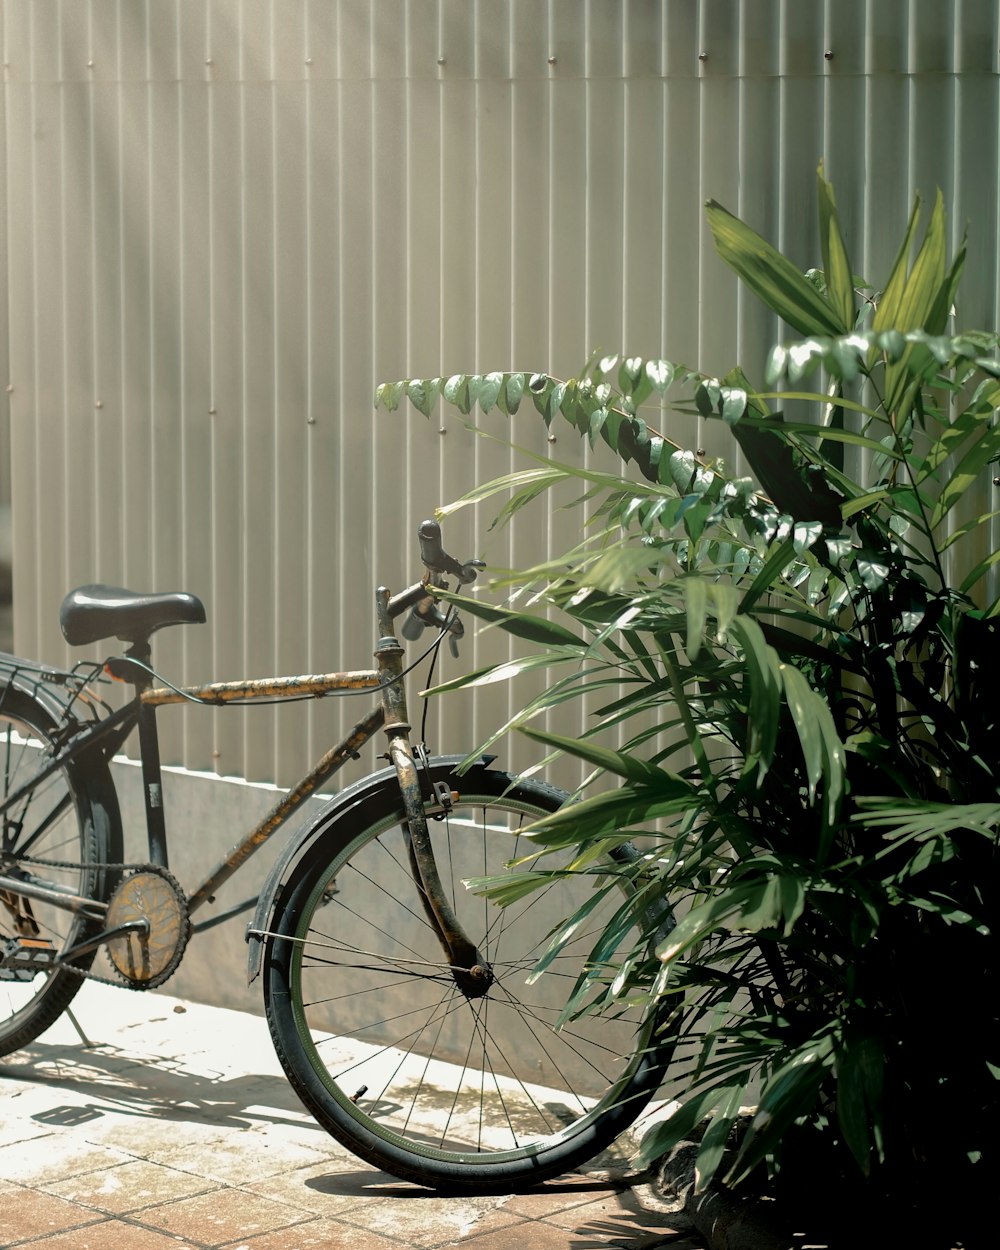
<point x="996" y="480"/>
<point x="212" y="411"/>
<point x="703" y="56"/>
<point x="309" y="60"/>
<point x="700" y="451"/>
<point x="552" y="60"/>
<point x="99" y="403"/>
<point x="90" y="65"/>
<point x="10" y="388"/>
<point x="310" y="420"/>
<point x="552" y="438"/>
<point x="442" y="60"/>
<point x="828" y="54"/>
<point x="209" y="61"/>
<point x="442" y="430"/>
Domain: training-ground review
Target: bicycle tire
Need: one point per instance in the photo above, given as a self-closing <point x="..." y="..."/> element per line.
<point x="529" y="1107"/>
<point x="71" y="818"/>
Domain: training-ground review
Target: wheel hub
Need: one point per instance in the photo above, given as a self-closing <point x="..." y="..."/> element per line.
<point x="474" y="982"/>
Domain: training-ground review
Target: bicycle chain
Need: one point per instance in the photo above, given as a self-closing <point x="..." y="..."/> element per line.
<point x="87" y="974"/>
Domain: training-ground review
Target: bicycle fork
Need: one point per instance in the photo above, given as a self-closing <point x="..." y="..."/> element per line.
<point x="470" y="971"/>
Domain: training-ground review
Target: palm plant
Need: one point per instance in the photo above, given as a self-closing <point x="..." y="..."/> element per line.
<point x="797" y="671"/>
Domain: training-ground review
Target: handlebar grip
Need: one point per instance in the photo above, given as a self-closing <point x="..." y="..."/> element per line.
<point x="432" y="554"/>
<point x="437" y="560"/>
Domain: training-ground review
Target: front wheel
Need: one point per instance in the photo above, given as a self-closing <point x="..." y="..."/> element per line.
<point x="435" y="1085"/>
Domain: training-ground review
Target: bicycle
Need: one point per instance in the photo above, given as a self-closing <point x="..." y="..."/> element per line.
<point x="402" y="1006"/>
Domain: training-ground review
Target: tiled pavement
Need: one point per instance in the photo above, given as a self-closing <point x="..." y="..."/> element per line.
<point x="175" y="1129"/>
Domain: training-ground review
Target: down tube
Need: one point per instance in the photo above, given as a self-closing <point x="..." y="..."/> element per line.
<point x="331" y="762"/>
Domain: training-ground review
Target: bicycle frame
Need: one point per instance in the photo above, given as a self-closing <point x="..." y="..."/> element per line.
<point x="390" y="715"/>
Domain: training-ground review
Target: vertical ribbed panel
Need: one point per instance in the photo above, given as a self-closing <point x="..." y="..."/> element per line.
<point x="227" y="219"/>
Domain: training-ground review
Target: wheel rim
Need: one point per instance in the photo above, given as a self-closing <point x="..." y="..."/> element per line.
<point x="46" y="825"/>
<point x="408" y="1057"/>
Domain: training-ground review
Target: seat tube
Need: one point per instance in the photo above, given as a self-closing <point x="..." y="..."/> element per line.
<point x="152" y="786"/>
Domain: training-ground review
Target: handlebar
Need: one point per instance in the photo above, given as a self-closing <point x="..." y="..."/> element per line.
<point x="437" y="560"/>
<point x="424" y="611"/>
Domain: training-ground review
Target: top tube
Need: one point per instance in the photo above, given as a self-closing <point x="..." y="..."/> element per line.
<point x="264" y="688"/>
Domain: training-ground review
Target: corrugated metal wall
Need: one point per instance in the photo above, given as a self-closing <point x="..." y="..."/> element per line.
<point x="227" y="219"/>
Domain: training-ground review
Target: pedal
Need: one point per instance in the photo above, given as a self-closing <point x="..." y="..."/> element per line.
<point x="22" y="958"/>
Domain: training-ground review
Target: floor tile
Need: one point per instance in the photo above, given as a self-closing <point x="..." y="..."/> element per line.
<point x="527" y="1235"/>
<point x="112" y="1235"/>
<point x="617" y="1221"/>
<point x="562" y="1194"/>
<point x="242" y="1157"/>
<point x="322" y="1235"/>
<point x="14" y="1129"/>
<point x="428" y="1221"/>
<point x="223" y="1216"/>
<point x="130" y="1187"/>
<point x="25" y="1213"/>
<point x="55" y="1157"/>
<point x="318" y="1189"/>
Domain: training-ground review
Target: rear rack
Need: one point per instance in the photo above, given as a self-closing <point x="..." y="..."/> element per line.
<point x="72" y="688"/>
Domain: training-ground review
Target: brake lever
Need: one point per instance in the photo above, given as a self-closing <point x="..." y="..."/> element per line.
<point x="426" y="614"/>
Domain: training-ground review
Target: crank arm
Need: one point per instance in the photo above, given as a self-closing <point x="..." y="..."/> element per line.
<point x="91" y="944"/>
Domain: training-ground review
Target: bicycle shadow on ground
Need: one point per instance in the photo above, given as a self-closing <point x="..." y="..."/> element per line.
<point x="106" y="1079"/>
<point x="370" y="1183"/>
<point x="634" y="1227"/>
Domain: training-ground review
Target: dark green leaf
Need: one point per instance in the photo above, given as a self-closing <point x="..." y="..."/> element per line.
<point x="631" y="768"/>
<point x="872" y="570"/>
<point x="389" y="394"/>
<point x="521" y="624"/>
<point x="839" y="280"/>
<point x="456" y="391"/>
<point x="782" y="287"/>
<point x="660" y="374"/>
<point x="423" y="395"/>
<point x="489" y="390"/>
<point x="682" y="468"/>
<point x="512" y="392"/>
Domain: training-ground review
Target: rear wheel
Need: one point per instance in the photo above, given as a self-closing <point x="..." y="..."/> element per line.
<point x="57" y="836"/>
<point x="447" y="1089"/>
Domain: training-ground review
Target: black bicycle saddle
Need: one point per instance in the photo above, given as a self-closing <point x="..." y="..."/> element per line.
<point x="90" y="613"/>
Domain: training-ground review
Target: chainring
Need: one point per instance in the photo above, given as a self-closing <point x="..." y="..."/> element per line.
<point x="146" y="960"/>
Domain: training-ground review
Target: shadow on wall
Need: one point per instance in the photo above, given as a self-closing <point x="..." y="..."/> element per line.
<point x="6" y="615"/>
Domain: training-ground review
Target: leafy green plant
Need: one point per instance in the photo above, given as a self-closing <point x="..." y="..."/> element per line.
<point x="798" y="670"/>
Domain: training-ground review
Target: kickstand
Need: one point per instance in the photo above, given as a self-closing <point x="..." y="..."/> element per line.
<point x="76" y="1025"/>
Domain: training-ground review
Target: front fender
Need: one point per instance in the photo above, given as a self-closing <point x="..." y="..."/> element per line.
<point x="349" y="804"/>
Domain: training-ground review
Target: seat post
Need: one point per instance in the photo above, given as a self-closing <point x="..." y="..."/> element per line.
<point x="149" y="753"/>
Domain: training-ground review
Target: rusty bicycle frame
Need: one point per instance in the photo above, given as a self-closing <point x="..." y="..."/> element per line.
<point x="386" y="678"/>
